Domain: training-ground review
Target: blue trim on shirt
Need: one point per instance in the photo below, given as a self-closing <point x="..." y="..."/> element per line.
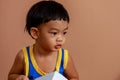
<point x="32" y="72"/>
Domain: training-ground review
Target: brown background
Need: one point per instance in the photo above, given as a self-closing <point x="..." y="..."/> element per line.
<point x="93" y="39"/>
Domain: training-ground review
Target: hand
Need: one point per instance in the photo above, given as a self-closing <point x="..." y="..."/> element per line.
<point x="22" y="77"/>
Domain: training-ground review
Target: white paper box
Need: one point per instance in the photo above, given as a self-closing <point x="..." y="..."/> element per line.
<point x="52" y="76"/>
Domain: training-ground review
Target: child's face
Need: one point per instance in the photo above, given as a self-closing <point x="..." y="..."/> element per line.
<point x="52" y="34"/>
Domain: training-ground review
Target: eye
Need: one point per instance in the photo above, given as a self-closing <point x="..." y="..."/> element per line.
<point x="64" y="33"/>
<point x="53" y="33"/>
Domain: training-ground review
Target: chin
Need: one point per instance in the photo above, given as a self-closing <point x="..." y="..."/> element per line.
<point x="55" y="50"/>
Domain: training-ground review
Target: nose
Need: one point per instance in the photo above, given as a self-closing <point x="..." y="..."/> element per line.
<point x="59" y="38"/>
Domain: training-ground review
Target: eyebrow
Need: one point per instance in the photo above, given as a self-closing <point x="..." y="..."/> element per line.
<point x="58" y="29"/>
<point x="66" y="28"/>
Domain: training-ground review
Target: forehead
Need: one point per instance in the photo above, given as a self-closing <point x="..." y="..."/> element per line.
<point x="57" y="24"/>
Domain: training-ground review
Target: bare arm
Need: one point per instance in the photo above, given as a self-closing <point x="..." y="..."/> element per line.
<point x="70" y="71"/>
<point x="17" y="70"/>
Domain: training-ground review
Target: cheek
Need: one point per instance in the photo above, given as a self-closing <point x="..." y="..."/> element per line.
<point x="53" y="40"/>
<point x="50" y="40"/>
<point x="64" y="39"/>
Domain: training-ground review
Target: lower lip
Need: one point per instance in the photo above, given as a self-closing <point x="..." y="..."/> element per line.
<point x="58" y="46"/>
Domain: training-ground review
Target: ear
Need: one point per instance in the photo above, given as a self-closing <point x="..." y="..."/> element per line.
<point x="34" y="32"/>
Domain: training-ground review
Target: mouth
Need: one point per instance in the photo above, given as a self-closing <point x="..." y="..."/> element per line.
<point x="58" y="46"/>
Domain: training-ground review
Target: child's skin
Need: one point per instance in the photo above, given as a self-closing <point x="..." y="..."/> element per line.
<point x="49" y="38"/>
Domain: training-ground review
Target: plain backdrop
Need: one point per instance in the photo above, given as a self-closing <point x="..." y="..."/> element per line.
<point x="93" y="39"/>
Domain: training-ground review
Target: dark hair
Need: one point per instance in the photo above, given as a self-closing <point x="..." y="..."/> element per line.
<point x="43" y="12"/>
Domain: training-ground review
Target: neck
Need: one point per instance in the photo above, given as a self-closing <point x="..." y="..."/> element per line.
<point x="38" y="50"/>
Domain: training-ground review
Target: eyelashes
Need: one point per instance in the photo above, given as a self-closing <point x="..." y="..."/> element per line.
<point x="64" y="33"/>
<point x="56" y="33"/>
<point x="53" y="33"/>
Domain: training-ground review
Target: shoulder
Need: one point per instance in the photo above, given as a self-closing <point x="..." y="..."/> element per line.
<point x="18" y="65"/>
<point x="70" y="70"/>
<point x="21" y="54"/>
